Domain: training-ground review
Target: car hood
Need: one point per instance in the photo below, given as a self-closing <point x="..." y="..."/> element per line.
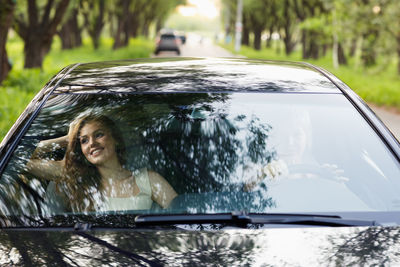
<point x="270" y="246"/>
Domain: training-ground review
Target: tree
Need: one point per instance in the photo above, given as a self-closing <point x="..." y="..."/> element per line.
<point x="390" y="15"/>
<point x="287" y="21"/>
<point x="122" y="14"/>
<point x="6" y="16"/>
<point x="272" y="20"/>
<point x="39" y="28"/>
<point x="257" y="20"/>
<point x="245" y="32"/>
<point x="70" y="33"/>
<point x="94" y="15"/>
<point x="139" y="14"/>
<point x="366" y="27"/>
<point x="336" y="17"/>
<point x="309" y="13"/>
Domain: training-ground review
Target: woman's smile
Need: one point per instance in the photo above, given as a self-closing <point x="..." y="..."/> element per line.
<point x="95" y="152"/>
<point x="97" y="143"/>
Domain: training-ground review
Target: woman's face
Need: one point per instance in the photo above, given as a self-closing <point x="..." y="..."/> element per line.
<point x="97" y="144"/>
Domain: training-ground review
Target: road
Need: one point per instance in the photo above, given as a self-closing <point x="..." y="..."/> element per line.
<point x="197" y="46"/>
<point x="389" y="117"/>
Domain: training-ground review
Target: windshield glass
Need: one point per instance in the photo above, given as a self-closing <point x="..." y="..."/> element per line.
<point x="199" y="153"/>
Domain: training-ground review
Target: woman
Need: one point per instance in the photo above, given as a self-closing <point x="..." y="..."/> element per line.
<point x="92" y="173"/>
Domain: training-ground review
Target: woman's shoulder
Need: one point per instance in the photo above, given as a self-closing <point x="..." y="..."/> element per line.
<point x="145" y="173"/>
<point x="141" y="173"/>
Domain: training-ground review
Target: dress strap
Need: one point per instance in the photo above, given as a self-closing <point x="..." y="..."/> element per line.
<point x="142" y="181"/>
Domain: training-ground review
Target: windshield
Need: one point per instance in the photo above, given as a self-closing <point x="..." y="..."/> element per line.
<point x="199" y="153"/>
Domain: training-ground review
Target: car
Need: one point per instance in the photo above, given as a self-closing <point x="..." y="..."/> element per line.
<point x="168" y="41"/>
<point x="272" y="162"/>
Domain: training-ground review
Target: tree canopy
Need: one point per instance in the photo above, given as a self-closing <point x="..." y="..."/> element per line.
<point x="371" y="27"/>
<point x="38" y="21"/>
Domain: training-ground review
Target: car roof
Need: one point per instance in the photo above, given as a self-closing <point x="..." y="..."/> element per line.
<point x="167" y="35"/>
<point x="195" y="75"/>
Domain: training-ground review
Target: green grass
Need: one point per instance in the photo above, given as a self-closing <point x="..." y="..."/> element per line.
<point x="379" y="85"/>
<point x="22" y="84"/>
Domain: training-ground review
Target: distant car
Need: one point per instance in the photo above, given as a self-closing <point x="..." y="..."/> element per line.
<point x="168" y="42"/>
<point x="275" y="163"/>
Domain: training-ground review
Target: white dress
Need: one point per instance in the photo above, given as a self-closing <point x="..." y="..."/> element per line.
<point x="141" y="201"/>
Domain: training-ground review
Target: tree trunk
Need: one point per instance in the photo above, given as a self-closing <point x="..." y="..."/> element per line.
<point x="269" y="38"/>
<point x="38" y="32"/>
<point x="35" y="49"/>
<point x="95" y="32"/>
<point x="159" y="25"/>
<point x="304" y="44"/>
<point x="287" y="39"/>
<point x="314" y="47"/>
<point x="245" y="33"/>
<point x="134" y="25"/>
<point x="127" y="30"/>
<point x="66" y="36"/>
<point x="118" y="38"/>
<point x="245" y="36"/>
<point x="314" y="50"/>
<point x="368" y="52"/>
<point x="145" y="29"/>
<point x="257" y="39"/>
<point x="353" y="47"/>
<point x="76" y="30"/>
<point x="70" y="33"/>
<point x="121" y="33"/>
<point x="6" y="16"/>
<point x="341" y="55"/>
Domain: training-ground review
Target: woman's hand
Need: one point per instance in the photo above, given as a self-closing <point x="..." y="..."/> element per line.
<point x="71" y="129"/>
<point x="270" y="170"/>
<point x="275" y="168"/>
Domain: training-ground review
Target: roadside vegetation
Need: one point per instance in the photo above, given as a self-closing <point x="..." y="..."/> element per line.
<point x="357" y="40"/>
<point x="22" y="84"/>
<point x="377" y="85"/>
<point x="39" y="37"/>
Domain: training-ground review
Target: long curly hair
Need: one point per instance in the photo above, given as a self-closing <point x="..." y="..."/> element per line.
<point x="82" y="182"/>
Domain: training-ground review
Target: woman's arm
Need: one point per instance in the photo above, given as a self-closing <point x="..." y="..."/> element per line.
<point x="47" y="169"/>
<point x="162" y="191"/>
<point x="49" y="145"/>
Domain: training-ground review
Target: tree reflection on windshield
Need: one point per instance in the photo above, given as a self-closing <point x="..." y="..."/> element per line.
<point x="372" y="246"/>
<point x="156" y="248"/>
<point x="204" y="150"/>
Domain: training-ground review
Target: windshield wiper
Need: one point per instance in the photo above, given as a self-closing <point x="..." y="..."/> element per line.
<point x="242" y="219"/>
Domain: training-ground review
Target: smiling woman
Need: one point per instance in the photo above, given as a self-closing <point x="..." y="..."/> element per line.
<point x="92" y="173"/>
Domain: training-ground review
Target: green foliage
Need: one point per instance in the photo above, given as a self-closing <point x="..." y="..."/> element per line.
<point x="315" y="23"/>
<point x="374" y="85"/>
<point x="12" y="102"/>
<point x="22" y="84"/>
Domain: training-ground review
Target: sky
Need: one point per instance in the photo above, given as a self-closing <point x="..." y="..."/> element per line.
<point x="206" y="8"/>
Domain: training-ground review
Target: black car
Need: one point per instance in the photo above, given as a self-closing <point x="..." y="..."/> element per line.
<point x="168" y="42"/>
<point x="255" y="162"/>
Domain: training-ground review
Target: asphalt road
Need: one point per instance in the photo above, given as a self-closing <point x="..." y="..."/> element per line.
<point x="389" y="117"/>
<point x="198" y="46"/>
